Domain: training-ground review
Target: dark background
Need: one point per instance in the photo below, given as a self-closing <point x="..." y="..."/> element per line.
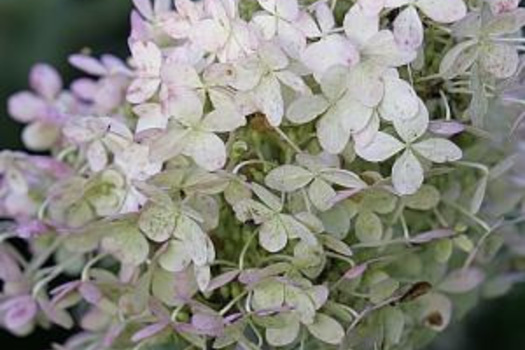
<point x="49" y="30"/>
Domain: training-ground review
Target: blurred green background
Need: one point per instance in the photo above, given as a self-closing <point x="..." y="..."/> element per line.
<point x="49" y="30"/>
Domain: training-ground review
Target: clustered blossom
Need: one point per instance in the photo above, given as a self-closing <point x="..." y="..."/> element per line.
<point x="270" y="173"/>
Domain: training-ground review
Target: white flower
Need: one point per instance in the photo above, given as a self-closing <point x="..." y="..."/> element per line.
<point x="147" y="59"/>
<point x="193" y="134"/>
<point x="407" y="172"/>
<point x="223" y="33"/>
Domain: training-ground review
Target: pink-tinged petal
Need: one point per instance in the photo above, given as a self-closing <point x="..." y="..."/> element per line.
<point x="53" y="166"/>
<point x="31" y="229"/>
<point x="408" y="29"/>
<point x="208" y="324"/>
<point x="355" y="272"/>
<point x="396" y="3"/>
<point x="431" y="236"/>
<point x="329" y="52"/>
<point x="222" y="280"/>
<point x="307" y="25"/>
<point x="9" y="268"/>
<point x="20" y="311"/>
<point x="85" y="88"/>
<point x="446" y="128"/>
<point x="140" y="29"/>
<point x="88" y="64"/>
<point x="45" y="80"/>
<point x="149" y="331"/>
<point x="147" y="58"/>
<point x="142" y="90"/>
<point x="502" y="6"/>
<point x="97" y="156"/>
<point x="90" y="292"/>
<point x="25" y="107"/>
<point x="145" y="8"/>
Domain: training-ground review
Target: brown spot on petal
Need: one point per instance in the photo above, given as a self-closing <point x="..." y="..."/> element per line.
<point x="435" y="319"/>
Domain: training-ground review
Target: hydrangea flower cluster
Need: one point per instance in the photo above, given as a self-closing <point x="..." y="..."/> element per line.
<point x="271" y="173"/>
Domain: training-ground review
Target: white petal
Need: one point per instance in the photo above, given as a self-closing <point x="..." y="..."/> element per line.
<point x="175" y="258"/>
<point x="411" y="129"/>
<point x="287" y="9"/>
<point x="332" y="135"/>
<point x="396" y="3"/>
<point x="266" y="24"/>
<point x="443" y="11"/>
<point x="382" y="147"/>
<point x="207" y="149"/>
<point x="292" y="40"/>
<point x="150" y="119"/>
<point x="360" y="27"/>
<point x="147" y="57"/>
<point x="329" y="52"/>
<point x="408" y="29"/>
<point x="334" y="82"/>
<point x="325" y="16"/>
<point x="269" y="100"/>
<point x="185" y="106"/>
<point x="272" y="236"/>
<point x="209" y="35"/>
<point x="501" y="60"/>
<point x="365" y="83"/>
<point x="356" y="116"/>
<point x="306" y="108"/>
<point x="293" y="81"/>
<point x="141" y="90"/>
<point x="288" y="178"/>
<point x="439" y="150"/>
<point x="407" y="174"/>
<point x="367" y="135"/>
<point x="272" y="56"/>
<point x="178" y="74"/>
<point x="223" y="120"/>
<point x="399" y="101"/>
<point x="383" y="49"/>
<point x="321" y="194"/>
